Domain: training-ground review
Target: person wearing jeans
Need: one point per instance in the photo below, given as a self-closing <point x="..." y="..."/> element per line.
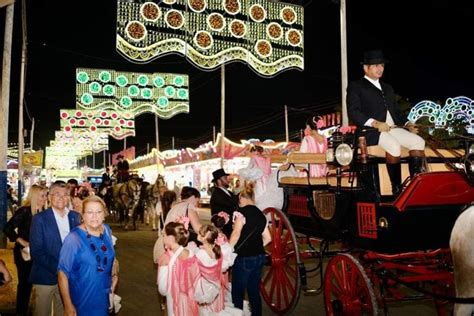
<point x="252" y="237"/>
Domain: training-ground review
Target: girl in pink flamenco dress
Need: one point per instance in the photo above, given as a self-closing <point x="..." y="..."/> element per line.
<point x="178" y="272"/>
<point x="313" y="142"/>
<point x="214" y="257"/>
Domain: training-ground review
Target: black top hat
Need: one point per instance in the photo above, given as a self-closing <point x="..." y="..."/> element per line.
<point x="217" y="174"/>
<point x="374" y="57"/>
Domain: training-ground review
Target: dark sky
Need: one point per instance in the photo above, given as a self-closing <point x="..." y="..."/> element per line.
<point x="426" y="42"/>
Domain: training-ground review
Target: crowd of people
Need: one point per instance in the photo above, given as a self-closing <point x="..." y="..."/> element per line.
<point x="65" y="251"/>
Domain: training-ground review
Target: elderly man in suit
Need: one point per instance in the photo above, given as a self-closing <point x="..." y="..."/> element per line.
<point x="372" y="103"/>
<point x="222" y="199"/>
<point x="47" y="233"/>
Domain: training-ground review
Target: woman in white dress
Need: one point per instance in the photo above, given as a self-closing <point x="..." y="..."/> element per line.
<point x="267" y="192"/>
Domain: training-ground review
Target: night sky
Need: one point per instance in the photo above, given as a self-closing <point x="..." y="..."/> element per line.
<point x="426" y="42"/>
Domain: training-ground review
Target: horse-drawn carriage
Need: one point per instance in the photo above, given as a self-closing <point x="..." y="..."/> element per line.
<point x="376" y="248"/>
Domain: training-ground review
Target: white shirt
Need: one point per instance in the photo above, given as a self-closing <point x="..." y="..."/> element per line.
<point x="225" y="190"/>
<point x="62" y="222"/>
<point x="389" y="119"/>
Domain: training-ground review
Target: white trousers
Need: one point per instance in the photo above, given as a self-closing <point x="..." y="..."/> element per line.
<point x="396" y="138"/>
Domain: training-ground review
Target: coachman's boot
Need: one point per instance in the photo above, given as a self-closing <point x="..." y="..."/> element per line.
<point x="395" y="174"/>
<point x="415" y="165"/>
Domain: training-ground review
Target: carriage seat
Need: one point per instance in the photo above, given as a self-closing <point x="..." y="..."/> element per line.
<point x="311" y="158"/>
<point x="377" y="151"/>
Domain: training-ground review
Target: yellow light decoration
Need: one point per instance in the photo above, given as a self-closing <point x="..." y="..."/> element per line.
<point x="96" y="142"/>
<point x="163" y="94"/>
<point x="268" y="36"/>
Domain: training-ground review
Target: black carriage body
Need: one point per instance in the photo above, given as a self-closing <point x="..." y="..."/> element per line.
<point x="420" y="219"/>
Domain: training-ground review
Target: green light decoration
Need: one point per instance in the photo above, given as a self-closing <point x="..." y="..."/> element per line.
<point x="266" y="35"/>
<point x="104" y="76"/>
<point x="126" y="102"/>
<point x="163" y="102"/>
<point x="133" y="90"/>
<point x="82" y="77"/>
<point x="87" y="99"/>
<point x="95" y="87"/>
<point x="159" y="81"/>
<point x="142" y="80"/>
<point x="118" y="124"/>
<point x="109" y="90"/>
<point x="61" y="158"/>
<point x="122" y="81"/>
<point x="135" y="93"/>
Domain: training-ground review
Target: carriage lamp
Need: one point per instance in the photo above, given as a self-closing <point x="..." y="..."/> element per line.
<point x="343" y="154"/>
<point x="383" y="222"/>
<point x="471" y="149"/>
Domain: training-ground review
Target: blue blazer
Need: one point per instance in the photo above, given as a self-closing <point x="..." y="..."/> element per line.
<point x="45" y="246"/>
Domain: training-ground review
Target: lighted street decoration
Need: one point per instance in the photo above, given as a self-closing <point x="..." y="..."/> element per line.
<point x="458" y="108"/>
<point x="114" y="123"/>
<point x="163" y="94"/>
<point x="268" y="36"/>
<point x="60" y="158"/>
<point x="94" y="141"/>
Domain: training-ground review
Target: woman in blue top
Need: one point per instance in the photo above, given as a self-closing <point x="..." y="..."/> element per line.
<point x="85" y="263"/>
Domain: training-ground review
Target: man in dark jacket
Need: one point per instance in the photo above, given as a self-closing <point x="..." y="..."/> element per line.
<point x="372" y="103"/>
<point x="222" y="199"/>
<point x="122" y="168"/>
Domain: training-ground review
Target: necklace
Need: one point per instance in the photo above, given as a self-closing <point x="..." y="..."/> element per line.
<point x="103" y="247"/>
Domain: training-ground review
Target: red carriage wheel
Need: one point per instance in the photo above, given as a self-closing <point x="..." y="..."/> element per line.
<point x="280" y="285"/>
<point x="347" y="289"/>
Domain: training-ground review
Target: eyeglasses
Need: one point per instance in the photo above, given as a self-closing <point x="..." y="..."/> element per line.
<point x="93" y="213"/>
<point x="58" y="195"/>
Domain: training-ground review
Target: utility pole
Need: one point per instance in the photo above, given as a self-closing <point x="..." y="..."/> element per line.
<point x="172" y="142"/>
<point x="157" y="135"/>
<point x="93" y="160"/>
<point x="32" y="133"/>
<point x="105" y="162"/>
<point x="21" y="139"/>
<point x="287" y="138"/>
<point x="222" y="114"/>
<point x="345" y="119"/>
<point x="147" y="148"/>
<point x="4" y="108"/>
<point x="213" y="134"/>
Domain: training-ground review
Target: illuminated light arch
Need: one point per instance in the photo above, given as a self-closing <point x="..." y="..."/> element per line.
<point x="458" y="108"/>
<point x="136" y="93"/>
<point x="163" y="38"/>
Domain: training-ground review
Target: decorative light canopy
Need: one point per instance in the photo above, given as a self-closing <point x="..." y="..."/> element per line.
<point x="458" y="108"/>
<point x="163" y="94"/>
<point x="61" y="158"/>
<point x="94" y="141"/>
<point x="266" y="35"/>
<point x="116" y="124"/>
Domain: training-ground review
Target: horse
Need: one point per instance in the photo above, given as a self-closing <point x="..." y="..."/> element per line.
<point x="462" y="250"/>
<point x="126" y="199"/>
<point x="152" y="196"/>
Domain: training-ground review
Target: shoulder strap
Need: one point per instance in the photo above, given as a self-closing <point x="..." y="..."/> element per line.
<point x="171" y="264"/>
<point x="246" y="238"/>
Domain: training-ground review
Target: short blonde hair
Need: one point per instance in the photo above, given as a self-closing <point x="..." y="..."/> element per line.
<point x="94" y="199"/>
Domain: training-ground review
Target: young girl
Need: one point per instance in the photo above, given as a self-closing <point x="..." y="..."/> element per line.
<point x="214" y="259"/>
<point x="178" y="272"/>
<point x="313" y="142"/>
